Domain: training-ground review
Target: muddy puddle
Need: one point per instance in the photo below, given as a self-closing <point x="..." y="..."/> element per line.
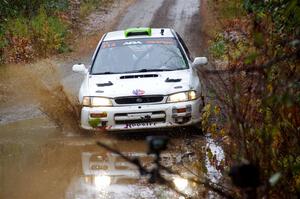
<point x="45" y="155"/>
<point x="38" y="161"/>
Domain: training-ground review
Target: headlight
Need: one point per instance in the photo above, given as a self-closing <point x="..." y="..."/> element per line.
<point x="182" y="97"/>
<point x="96" y="101"/>
<point x="180" y="183"/>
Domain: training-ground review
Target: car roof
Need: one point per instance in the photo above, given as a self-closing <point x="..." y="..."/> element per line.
<point x="154" y="33"/>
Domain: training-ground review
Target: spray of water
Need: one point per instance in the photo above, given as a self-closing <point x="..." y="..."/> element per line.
<point x="40" y="84"/>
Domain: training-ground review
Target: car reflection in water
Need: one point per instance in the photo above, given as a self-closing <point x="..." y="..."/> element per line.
<point x="109" y="176"/>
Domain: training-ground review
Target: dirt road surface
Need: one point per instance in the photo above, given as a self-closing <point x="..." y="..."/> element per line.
<point x="40" y="160"/>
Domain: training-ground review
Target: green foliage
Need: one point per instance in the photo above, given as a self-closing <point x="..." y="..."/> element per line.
<point x="39" y="27"/>
<point x="217" y="49"/>
<point x="250" y="59"/>
<point x="32" y="27"/>
<point x="231" y="9"/>
<point x="53" y="6"/>
<point x="86" y="8"/>
<point x="258" y="38"/>
<point x="3" y="40"/>
<point x="18" y="27"/>
<point x="50" y="32"/>
<point x="29" y="8"/>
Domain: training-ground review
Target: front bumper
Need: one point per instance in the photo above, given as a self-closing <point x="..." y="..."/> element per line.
<point x="142" y="116"/>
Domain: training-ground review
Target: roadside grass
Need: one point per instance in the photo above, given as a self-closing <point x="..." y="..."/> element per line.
<point x="23" y="39"/>
<point x="88" y="6"/>
<point x="231" y="9"/>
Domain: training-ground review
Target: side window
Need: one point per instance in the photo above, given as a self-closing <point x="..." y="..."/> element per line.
<point x="184" y="46"/>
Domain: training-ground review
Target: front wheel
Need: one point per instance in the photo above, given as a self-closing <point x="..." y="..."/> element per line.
<point x="196" y="129"/>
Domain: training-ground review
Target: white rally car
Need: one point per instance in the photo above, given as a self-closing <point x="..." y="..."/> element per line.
<point x="140" y="78"/>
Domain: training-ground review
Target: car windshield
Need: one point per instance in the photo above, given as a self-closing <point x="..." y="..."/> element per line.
<point x="139" y="55"/>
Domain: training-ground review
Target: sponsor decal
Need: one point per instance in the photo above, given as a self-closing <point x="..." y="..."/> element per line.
<point x="143" y="124"/>
<point x="161" y="41"/>
<point x="132" y="43"/>
<point x="138" y="43"/>
<point x="94" y="122"/>
<point x="138" y="92"/>
<point x="108" y="45"/>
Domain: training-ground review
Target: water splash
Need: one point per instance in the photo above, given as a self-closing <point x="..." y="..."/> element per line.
<point x="37" y="90"/>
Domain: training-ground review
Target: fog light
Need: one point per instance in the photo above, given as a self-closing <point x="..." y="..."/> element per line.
<point x="181" y="110"/>
<point x="98" y="115"/>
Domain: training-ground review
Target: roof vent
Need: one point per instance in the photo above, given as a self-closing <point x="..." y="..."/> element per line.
<point x="137" y="32"/>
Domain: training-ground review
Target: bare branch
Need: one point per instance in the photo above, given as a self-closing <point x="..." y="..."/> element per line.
<point x="294" y="55"/>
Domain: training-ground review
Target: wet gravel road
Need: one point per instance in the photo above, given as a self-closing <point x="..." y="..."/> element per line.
<point x="40" y="160"/>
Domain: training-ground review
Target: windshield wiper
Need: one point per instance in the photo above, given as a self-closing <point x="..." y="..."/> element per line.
<point x="148" y="70"/>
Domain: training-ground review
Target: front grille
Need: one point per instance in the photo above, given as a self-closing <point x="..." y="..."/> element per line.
<point x="135" y="118"/>
<point x="139" y="99"/>
<point x="152" y="113"/>
<point x="163" y="120"/>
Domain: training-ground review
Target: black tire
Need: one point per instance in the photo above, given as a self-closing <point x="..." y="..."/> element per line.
<point x="196" y="129"/>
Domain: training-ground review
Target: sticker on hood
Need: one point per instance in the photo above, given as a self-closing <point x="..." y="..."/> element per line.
<point x="138" y="92"/>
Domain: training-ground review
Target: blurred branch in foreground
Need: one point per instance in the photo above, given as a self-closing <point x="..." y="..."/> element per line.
<point x="156" y="145"/>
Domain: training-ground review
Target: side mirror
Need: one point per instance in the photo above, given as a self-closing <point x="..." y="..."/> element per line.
<point x="199" y="61"/>
<point x="80" y="68"/>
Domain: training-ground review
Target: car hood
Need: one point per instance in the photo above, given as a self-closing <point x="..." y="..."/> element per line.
<point x="134" y="84"/>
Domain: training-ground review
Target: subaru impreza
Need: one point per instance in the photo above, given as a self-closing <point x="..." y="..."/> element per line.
<point x="140" y="78"/>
